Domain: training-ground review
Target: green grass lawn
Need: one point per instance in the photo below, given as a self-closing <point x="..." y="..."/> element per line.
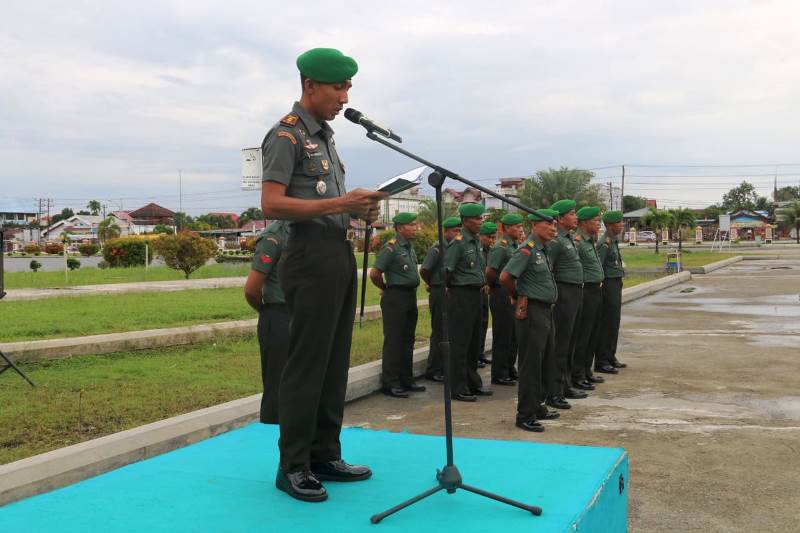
<point x="99" y="276"/>
<point x="74" y="316"/>
<point x="648" y="259"/>
<point x="90" y="396"/>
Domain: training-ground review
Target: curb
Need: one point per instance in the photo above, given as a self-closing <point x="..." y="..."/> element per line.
<point x="645" y="289"/>
<point x="711" y="267"/>
<point x="31" y="351"/>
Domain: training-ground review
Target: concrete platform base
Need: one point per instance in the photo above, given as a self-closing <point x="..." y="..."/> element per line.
<point x="226" y="483"/>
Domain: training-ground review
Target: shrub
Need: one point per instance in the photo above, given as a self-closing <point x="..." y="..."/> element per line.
<point x="73" y="264"/>
<point x="186" y="251"/>
<point x="88" y="249"/>
<point x="163" y="228"/>
<point x="102" y="264"/>
<point x="249" y="245"/>
<point x="425" y="238"/>
<point x="35" y="265"/>
<point x="53" y="248"/>
<point x="31" y="249"/>
<point x="125" y="252"/>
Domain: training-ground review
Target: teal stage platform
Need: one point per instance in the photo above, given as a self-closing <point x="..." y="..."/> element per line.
<point x="227" y="484"/>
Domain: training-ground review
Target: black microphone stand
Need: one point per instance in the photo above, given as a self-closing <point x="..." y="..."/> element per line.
<point x="449" y="477"/>
<point x="8" y="362"/>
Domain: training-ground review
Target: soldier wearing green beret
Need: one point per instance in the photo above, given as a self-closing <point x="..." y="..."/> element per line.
<point x="606" y="352"/>
<point x="568" y="272"/>
<point x="464" y="268"/>
<point x="434" y="283"/>
<point x="488" y="237"/>
<point x="263" y="292"/>
<point x="586" y="332"/>
<point x="528" y="280"/>
<point x="395" y="274"/>
<point x="303" y="182"/>
<point x="504" y="338"/>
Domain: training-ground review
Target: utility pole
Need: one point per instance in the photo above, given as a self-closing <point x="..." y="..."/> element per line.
<point x="180" y="194"/>
<point x="610" y="197"/>
<point x="622" y="191"/>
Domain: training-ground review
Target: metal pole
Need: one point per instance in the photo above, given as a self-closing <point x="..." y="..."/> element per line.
<point x="622" y="191"/>
<point x="180" y="193"/>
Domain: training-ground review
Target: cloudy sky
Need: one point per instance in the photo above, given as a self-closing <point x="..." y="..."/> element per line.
<point x="109" y="100"/>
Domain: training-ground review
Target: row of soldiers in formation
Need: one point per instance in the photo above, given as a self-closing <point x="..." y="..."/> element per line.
<point x="555" y="298"/>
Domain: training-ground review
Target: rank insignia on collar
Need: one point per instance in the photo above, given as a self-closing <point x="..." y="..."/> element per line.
<point x="392" y="241"/>
<point x="289" y="120"/>
<point x="459" y="237"/>
<point x="578" y="238"/>
<point x="529" y="244"/>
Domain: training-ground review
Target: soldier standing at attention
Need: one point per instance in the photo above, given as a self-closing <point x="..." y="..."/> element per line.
<point x="488" y="236"/>
<point x="464" y="280"/>
<point x="395" y="274"/>
<point x="606" y="352"/>
<point x="262" y="290"/>
<point x="529" y="282"/>
<point x="504" y="338"/>
<point x="568" y="273"/>
<point x="303" y="181"/>
<point x="586" y="332"/>
<point x="431" y="274"/>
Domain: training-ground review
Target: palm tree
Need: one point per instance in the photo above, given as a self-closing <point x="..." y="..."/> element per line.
<point x="789" y="216"/>
<point x="108" y="229"/>
<point x="657" y="220"/>
<point x="94" y="206"/>
<point x="427" y="212"/>
<point x="681" y="218"/>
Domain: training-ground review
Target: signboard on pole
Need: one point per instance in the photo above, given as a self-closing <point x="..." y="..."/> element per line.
<point x="724" y="222"/>
<point x="251" y="169"/>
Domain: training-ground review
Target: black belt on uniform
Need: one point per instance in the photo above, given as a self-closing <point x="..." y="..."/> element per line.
<point x="540" y="303"/>
<point x="569" y="283"/>
<point x="470" y="287"/>
<point x="402" y="287"/>
<point x="315" y="232"/>
<point x="592" y="285"/>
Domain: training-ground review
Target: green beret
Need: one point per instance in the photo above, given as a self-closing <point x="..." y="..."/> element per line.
<point x="470" y="210"/>
<point x="585" y="213"/>
<point x="563" y="206"/>
<point x="488" y="228"/>
<point x="511" y="219"/>
<point x="612" y="217"/>
<point x="404" y="218"/>
<point x="549" y="212"/>
<point x="451" y="222"/>
<point x="327" y="65"/>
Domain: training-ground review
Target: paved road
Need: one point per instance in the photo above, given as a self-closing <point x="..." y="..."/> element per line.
<point x="709" y="408"/>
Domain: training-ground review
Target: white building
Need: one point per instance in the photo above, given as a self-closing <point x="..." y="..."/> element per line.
<point x="405" y="202"/>
<point x="509" y="188"/>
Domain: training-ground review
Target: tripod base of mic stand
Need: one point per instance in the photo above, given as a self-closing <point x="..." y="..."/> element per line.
<point x="10" y="364"/>
<point x="450" y="480"/>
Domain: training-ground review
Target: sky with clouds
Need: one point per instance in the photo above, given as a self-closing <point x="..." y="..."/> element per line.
<point x="109" y="100"/>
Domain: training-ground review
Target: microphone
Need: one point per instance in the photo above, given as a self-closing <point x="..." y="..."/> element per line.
<point x="358" y="117"/>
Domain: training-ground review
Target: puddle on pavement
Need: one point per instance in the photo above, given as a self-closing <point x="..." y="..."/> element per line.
<point x="780" y="305"/>
<point x="785" y="407"/>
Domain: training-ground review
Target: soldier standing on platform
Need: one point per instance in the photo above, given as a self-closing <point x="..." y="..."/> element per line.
<point x="504" y="337"/>
<point x="262" y="290"/>
<point x="488" y="237"/>
<point x="529" y="282"/>
<point x="586" y="332"/>
<point x="303" y="181"/>
<point x="395" y="274"/>
<point x="605" y="359"/>
<point x="431" y="275"/>
<point x="464" y="280"/>
<point x="568" y="272"/>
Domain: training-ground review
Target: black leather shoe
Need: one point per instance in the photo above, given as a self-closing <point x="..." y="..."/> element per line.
<point x="438" y="378"/>
<point x="415" y="387"/>
<point x="573" y="394"/>
<point x="481" y="364"/>
<point x="485" y="361"/>
<point x="340" y="471"/>
<point x="607" y="369"/>
<point x="301" y="485"/>
<point x="617" y="364"/>
<point x="512" y="373"/>
<point x="530" y="425"/>
<point x="465" y="398"/>
<point x="582" y="385"/>
<point x="558" y="403"/>
<point x="596" y="379"/>
<point x="504" y="381"/>
<point x="547" y="414"/>
<point x="482" y="392"/>
<point x="396" y="392"/>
